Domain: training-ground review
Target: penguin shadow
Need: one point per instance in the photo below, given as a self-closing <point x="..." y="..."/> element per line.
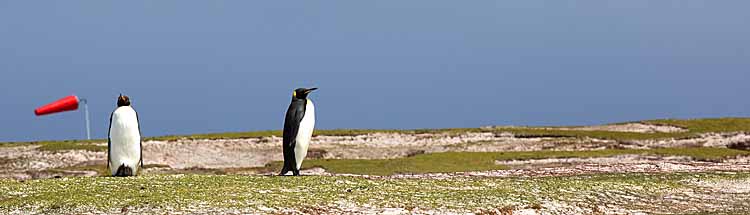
<point x="285" y="175"/>
<point x="288" y="174"/>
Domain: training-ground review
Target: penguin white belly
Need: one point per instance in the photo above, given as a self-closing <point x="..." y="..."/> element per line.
<point x="304" y="134"/>
<point x="125" y="139"/>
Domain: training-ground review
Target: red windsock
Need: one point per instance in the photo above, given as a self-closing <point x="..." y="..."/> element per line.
<point x="65" y="104"/>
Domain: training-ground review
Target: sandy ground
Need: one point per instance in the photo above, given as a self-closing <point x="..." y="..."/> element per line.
<point x="627" y="127"/>
<point x="630" y="127"/>
<point x="27" y="162"/>
<point x="253" y="152"/>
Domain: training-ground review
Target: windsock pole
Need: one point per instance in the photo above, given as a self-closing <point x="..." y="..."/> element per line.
<point x="88" y="124"/>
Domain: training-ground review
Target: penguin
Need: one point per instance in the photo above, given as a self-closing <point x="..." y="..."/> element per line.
<point x="125" y="150"/>
<point x="298" y="130"/>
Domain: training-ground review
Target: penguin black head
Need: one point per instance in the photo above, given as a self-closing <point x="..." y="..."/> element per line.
<point x="301" y="93"/>
<point x="123" y="101"/>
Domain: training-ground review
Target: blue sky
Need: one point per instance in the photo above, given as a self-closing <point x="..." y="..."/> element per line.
<point x="215" y="66"/>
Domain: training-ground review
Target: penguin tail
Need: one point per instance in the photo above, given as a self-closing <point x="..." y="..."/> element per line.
<point x="124" y="171"/>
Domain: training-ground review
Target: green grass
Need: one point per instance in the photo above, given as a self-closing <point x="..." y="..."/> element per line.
<point x="708" y="125"/>
<point x="694" y="128"/>
<point x="88" y="145"/>
<point x="481" y="161"/>
<point x="67" y="145"/>
<point x="191" y="192"/>
<point x="99" y="169"/>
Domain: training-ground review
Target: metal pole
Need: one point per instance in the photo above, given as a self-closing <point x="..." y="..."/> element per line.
<point x="88" y="124"/>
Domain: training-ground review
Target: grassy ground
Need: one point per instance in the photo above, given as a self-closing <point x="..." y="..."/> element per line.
<point x="212" y="190"/>
<point x="88" y="145"/>
<point x="481" y="161"/>
<point x="694" y="127"/>
<point x="451" y="161"/>
<point x="257" y="193"/>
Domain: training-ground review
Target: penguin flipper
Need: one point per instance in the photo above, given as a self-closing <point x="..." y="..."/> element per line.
<point x="140" y="141"/>
<point x="109" y="142"/>
<point x="289" y="159"/>
<point x="138" y="169"/>
<point x="294" y="116"/>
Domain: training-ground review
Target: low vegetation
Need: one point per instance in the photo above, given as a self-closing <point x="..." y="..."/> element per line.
<point x="482" y="161"/>
<point x="694" y="127"/>
<point x="71" y="145"/>
<point x="196" y="193"/>
<point x="88" y="145"/>
<point x="196" y="190"/>
<point x="707" y="125"/>
<point x="446" y="162"/>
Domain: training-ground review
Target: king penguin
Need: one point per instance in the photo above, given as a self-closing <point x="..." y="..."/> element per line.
<point x="298" y="130"/>
<point x="124" y="149"/>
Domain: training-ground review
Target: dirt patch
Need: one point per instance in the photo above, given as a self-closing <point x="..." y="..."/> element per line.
<point x="316" y="153"/>
<point x="741" y="145"/>
<point x="414" y="152"/>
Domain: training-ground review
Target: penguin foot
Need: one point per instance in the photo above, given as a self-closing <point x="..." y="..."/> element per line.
<point x="283" y="171"/>
<point x="124" y="171"/>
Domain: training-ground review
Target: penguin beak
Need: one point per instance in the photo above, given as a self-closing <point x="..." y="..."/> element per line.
<point x="311" y="89"/>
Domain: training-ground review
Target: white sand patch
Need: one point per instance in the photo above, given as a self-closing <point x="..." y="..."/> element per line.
<point x="28" y="158"/>
<point x="628" y="127"/>
<point x="619" y="159"/>
<point x="631" y="127"/>
<point x="738" y="186"/>
<point x="253" y="152"/>
<point x="224" y="153"/>
<point x="256" y="152"/>
<point x="705" y="140"/>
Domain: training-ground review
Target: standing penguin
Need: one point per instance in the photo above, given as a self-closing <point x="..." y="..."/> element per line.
<point x="298" y="129"/>
<point x="125" y="148"/>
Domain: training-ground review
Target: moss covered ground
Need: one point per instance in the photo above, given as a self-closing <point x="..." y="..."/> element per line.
<point x="257" y="193"/>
